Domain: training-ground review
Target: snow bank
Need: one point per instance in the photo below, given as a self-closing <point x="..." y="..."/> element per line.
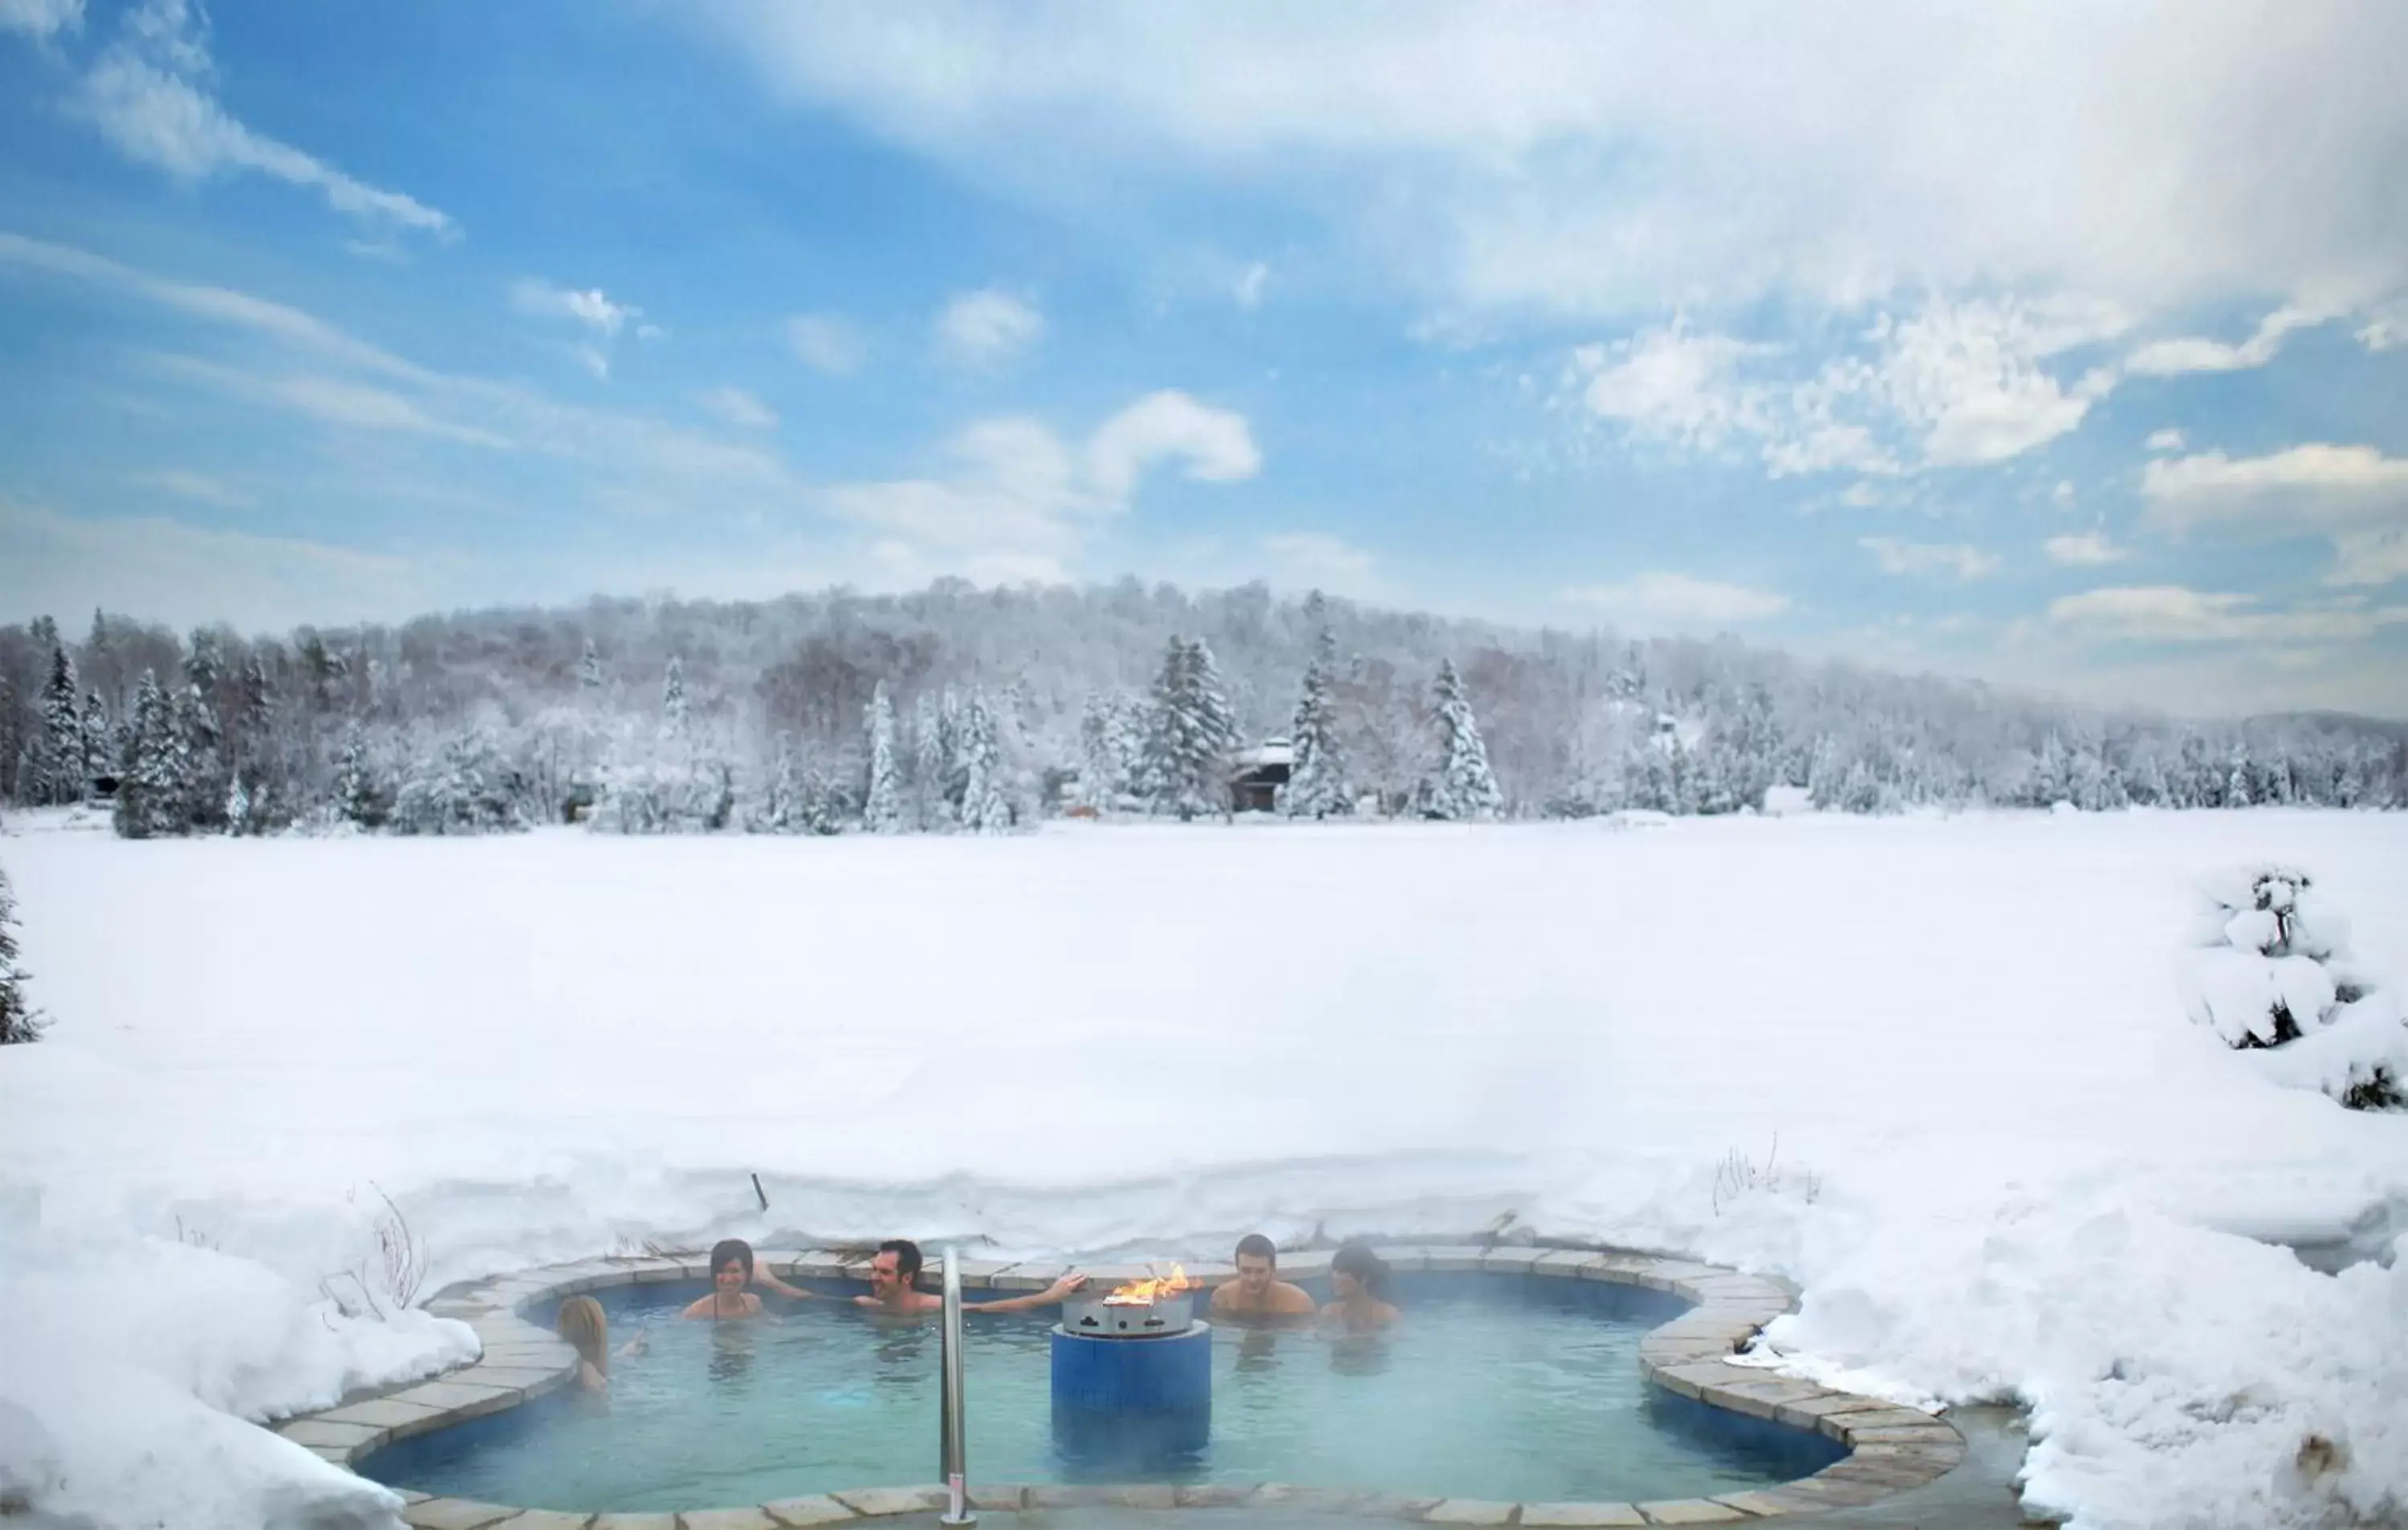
<point x="133" y="1361"/>
<point x="2009" y="1165"/>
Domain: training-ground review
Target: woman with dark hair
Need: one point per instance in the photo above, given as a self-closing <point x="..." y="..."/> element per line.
<point x="731" y="1272"/>
<point x="1360" y="1280"/>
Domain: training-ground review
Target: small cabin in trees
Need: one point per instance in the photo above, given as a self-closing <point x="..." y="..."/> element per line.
<point x="1256" y="774"/>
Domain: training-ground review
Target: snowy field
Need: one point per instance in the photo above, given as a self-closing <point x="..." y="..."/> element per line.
<point x="2007" y="1167"/>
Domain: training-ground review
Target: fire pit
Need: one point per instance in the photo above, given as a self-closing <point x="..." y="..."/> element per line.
<point x="1155" y="1307"/>
<point x="1133" y="1378"/>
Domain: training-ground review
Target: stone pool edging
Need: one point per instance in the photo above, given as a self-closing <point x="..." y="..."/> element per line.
<point x="1891" y="1449"/>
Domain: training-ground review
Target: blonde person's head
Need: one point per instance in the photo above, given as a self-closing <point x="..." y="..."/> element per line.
<point x="583" y="1323"/>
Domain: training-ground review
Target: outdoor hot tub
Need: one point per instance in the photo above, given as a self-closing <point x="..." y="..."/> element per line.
<point x="1544" y="1378"/>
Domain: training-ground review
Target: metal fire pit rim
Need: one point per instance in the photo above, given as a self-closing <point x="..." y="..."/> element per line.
<point x="1094" y="1317"/>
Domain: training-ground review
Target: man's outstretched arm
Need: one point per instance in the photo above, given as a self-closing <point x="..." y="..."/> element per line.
<point x="764" y="1278"/>
<point x="1046" y="1297"/>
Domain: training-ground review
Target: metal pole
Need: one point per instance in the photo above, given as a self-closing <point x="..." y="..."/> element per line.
<point x="949" y="1445"/>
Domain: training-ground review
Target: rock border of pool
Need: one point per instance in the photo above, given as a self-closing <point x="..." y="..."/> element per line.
<point x="1891" y="1449"/>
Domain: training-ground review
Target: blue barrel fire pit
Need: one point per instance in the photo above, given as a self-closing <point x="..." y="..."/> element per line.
<point x="1132" y="1385"/>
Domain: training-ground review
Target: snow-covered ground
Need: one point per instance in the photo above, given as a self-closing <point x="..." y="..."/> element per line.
<point x="2007" y="1167"/>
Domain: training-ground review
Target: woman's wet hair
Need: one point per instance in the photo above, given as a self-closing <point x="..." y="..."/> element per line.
<point x="1357" y="1261"/>
<point x="583" y="1323"/>
<point x="731" y="1248"/>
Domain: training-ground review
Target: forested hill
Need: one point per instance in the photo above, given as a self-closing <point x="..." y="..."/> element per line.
<point x="682" y="714"/>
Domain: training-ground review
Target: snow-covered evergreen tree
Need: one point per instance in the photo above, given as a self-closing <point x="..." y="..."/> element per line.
<point x="673" y="705"/>
<point x="779" y="809"/>
<point x="255" y="712"/>
<point x="928" y="763"/>
<point x="359" y="797"/>
<point x="952" y="728"/>
<point x="1190" y="732"/>
<point x="154" y="795"/>
<point x="1317" y="783"/>
<point x="2273" y="977"/>
<point x="99" y="754"/>
<point x="12" y="742"/>
<point x="59" y="750"/>
<point x="1112" y="742"/>
<point x="238" y="807"/>
<point x="589" y="669"/>
<point x="1464" y="788"/>
<point x="19" y="1020"/>
<point x="986" y="807"/>
<point x="882" y="805"/>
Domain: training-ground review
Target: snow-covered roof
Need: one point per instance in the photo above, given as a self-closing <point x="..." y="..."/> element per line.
<point x="1270" y="751"/>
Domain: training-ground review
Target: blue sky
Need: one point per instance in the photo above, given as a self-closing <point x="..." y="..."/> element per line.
<point x="2067" y="347"/>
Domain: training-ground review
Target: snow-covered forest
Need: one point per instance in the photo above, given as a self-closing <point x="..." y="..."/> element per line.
<point x="961" y="708"/>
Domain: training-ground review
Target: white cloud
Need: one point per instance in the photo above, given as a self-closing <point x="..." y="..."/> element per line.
<point x="2387" y="329"/>
<point x="194" y="486"/>
<point x="288" y="326"/>
<point x="2063" y="493"/>
<point x="1678" y="600"/>
<point x="1309" y="559"/>
<point x="2354" y="495"/>
<point x="332" y="401"/>
<point x="740" y="409"/>
<point x="148" y="94"/>
<point x="2171" y="358"/>
<point x="1965" y="563"/>
<point x="1945" y="384"/>
<point x="1215" y="444"/>
<point x="1673" y="385"/>
<point x="1969" y="375"/>
<point x="1607" y="159"/>
<point x="2166" y="613"/>
<point x="2084" y="549"/>
<point x="40" y="19"/>
<point x="826" y="343"/>
<point x="592" y="308"/>
<point x="987" y="328"/>
<point x="1251" y="282"/>
<point x="1017" y="497"/>
<point x="2168" y="439"/>
<point x="627" y="459"/>
<point x="175" y="572"/>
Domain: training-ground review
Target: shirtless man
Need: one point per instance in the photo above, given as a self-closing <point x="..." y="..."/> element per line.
<point x="895" y="1269"/>
<point x="1258" y="1294"/>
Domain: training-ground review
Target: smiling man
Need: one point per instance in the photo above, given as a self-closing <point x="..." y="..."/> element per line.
<point x="1258" y="1295"/>
<point x="895" y="1274"/>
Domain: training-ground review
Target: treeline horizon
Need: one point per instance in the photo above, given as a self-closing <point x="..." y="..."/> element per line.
<point x="542" y="713"/>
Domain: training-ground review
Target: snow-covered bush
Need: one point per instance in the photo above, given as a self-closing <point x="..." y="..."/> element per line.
<point x="467" y="789"/>
<point x="18" y="1021"/>
<point x="673" y="796"/>
<point x="2273" y="976"/>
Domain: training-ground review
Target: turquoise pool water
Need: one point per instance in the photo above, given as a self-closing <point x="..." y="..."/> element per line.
<point x="1493" y="1387"/>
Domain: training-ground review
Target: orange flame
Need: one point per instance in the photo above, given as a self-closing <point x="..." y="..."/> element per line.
<point x="1150" y="1290"/>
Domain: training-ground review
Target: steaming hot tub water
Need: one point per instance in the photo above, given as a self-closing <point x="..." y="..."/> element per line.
<point x="1491" y="1388"/>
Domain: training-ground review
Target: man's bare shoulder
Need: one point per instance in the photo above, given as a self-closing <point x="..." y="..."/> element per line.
<point x="1291" y="1298"/>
